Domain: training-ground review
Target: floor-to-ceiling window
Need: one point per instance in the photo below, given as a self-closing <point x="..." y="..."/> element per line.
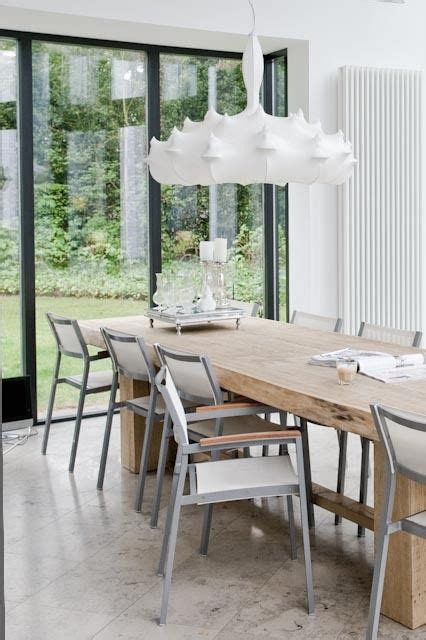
<point x="90" y="190"/>
<point x="189" y="85"/>
<point x="10" y="345"/>
<point x="96" y="238"/>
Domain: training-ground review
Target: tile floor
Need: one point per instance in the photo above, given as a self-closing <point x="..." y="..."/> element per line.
<point x="80" y="564"/>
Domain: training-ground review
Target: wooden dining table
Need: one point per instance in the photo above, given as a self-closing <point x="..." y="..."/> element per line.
<point x="268" y="361"/>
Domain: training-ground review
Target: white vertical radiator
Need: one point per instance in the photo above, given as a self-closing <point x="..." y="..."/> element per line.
<point x="380" y="208"/>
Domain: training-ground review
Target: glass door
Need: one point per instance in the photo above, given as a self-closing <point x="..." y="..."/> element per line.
<point x="90" y="186"/>
<point x="10" y="273"/>
<point x="189" y="85"/>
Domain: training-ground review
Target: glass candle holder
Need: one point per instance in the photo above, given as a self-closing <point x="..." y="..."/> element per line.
<point x="346" y="371"/>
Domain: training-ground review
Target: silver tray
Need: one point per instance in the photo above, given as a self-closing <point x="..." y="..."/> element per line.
<point x="182" y="319"/>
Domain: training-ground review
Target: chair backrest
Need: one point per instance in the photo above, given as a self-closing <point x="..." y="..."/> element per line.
<point x="68" y="336"/>
<point x="129" y="355"/>
<point x="250" y="308"/>
<point x="404" y="437"/>
<point x="402" y="337"/>
<point x="192" y="375"/>
<point x="313" y="321"/>
<point x="166" y="387"/>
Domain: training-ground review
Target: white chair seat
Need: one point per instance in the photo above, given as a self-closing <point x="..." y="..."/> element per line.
<point x="96" y="380"/>
<point x="232" y="426"/>
<point x="244" y="473"/>
<point x="418" y="518"/>
<point x="160" y="407"/>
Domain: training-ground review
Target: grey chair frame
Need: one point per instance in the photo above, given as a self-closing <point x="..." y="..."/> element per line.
<point x="150" y="415"/>
<point x="246" y="306"/>
<point x="216" y="398"/>
<point x="87" y="359"/>
<point x="302" y="423"/>
<point x="183" y="469"/>
<point x="387" y="526"/>
<point x="365" y="444"/>
<point x="337" y="327"/>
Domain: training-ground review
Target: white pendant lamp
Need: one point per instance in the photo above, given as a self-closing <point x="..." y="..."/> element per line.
<point x="252" y="146"/>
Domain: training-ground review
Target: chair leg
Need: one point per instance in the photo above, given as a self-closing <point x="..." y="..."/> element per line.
<point x="307" y="471"/>
<point x="377" y="586"/>
<point x="146" y="448"/>
<point x="304" y="516"/>
<point x="363" y="488"/>
<point x="207" y="523"/>
<point x="161" y="470"/>
<point x="171" y="545"/>
<point x="78" y="419"/>
<point x="107" y="434"/>
<point x="283" y="448"/>
<point x="51" y="403"/>
<point x="167" y="526"/>
<point x="341" y="472"/>
<point x="292" y="527"/>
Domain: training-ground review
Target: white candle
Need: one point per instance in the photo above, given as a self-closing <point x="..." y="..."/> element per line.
<point x="206" y="251"/>
<point x="220" y="250"/>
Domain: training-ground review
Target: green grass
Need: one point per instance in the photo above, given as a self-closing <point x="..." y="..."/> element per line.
<point x="79" y="308"/>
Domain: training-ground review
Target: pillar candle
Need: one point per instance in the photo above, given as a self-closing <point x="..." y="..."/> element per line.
<point x="206" y="251"/>
<point x="220" y="250"/>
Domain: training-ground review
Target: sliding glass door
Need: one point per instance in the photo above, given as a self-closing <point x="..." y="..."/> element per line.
<point x="10" y="310"/>
<point x="90" y="190"/>
<point x="189" y="85"/>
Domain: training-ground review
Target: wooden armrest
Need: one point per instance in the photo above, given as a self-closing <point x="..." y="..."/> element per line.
<point x="99" y="356"/>
<point x="247" y="437"/>
<point x="248" y="404"/>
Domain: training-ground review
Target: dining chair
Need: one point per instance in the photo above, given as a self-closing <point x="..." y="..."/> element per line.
<point x="250" y="308"/>
<point x="375" y="332"/>
<point x="320" y="323"/>
<point x="131" y="358"/>
<point x="70" y="343"/>
<point x="217" y="480"/>
<point x="403" y="437"/>
<point x="196" y="382"/>
<point x="314" y="321"/>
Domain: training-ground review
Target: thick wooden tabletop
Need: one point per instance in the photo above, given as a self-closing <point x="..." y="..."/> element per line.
<point x="268" y="361"/>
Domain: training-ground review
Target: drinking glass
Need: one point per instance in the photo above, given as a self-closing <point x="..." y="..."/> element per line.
<point x="346" y="371"/>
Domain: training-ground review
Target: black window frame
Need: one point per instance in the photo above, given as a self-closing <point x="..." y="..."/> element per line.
<point x="24" y="40"/>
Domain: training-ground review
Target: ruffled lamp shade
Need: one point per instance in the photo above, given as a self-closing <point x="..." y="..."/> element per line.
<point x="252" y="146"/>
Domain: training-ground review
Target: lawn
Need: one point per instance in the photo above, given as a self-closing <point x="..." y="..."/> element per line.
<point x="68" y="306"/>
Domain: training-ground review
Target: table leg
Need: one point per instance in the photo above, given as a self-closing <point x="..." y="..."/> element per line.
<point x="133" y="428"/>
<point x="404" y="595"/>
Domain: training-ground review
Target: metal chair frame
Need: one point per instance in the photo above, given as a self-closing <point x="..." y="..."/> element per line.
<point x="365" y="443"/>
<point x="150" y="415"/>
<point x="250" y="307"/>
<point x="386" y="525"/>
<point x="84" y="355"/>
<point x="216" y="398"/>
<point x="338" y="321"/>
<point x="216" y="445"/>
<point x="302" y="423"/>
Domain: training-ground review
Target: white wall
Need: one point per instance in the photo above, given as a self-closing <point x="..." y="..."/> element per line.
<point x="336" y="33"/>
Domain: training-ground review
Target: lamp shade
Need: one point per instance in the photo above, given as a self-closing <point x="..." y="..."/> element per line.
<point x="252" y="146"/>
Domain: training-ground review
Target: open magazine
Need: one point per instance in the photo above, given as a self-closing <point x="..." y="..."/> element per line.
<point x="378" y="365"/>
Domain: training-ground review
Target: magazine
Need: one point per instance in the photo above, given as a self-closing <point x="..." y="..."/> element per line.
<point x="378" y="365"/>
<point x="330" y="359"/>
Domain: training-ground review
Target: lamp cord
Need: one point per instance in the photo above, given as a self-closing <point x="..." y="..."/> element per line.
<point x="253" y="16"/>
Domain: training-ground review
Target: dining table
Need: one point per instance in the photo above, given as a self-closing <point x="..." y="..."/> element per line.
<point x="268" y="361"/>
